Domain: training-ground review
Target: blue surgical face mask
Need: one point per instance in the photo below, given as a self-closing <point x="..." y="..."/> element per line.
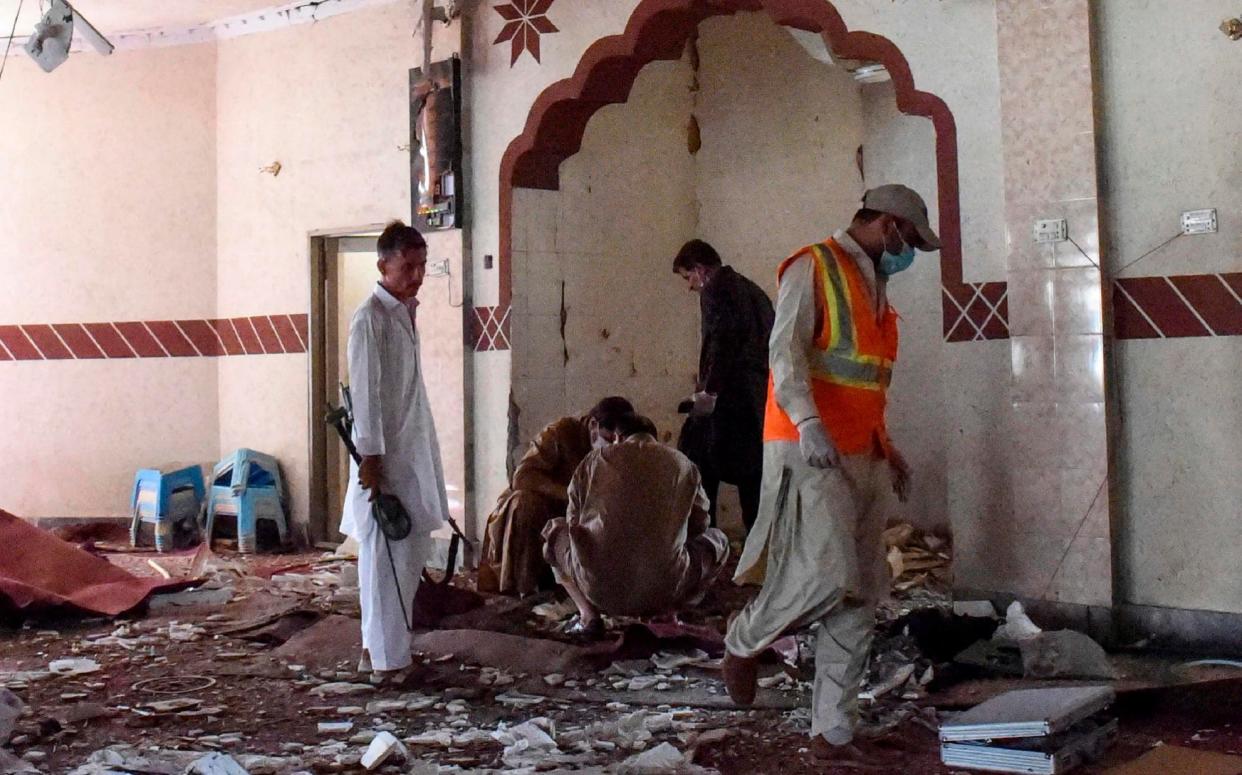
<point x="892" y="263"/>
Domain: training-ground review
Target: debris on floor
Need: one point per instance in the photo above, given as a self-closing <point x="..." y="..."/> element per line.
<point x="256" y="667"/>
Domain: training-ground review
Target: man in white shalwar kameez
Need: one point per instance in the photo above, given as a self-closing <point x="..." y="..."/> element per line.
<point x="396" y="437"/>
<point x="817" y="546"/>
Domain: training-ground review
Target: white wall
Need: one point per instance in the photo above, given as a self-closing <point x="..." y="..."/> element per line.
<point x="133" y="184"/>
<point x="777" y="170"/>
<point x="108" y="214"/>
<point x="902" y="149"/>
<point x="951" y="48"/>
<point x="625" y="206"/>
<point x="1171" y="129"/>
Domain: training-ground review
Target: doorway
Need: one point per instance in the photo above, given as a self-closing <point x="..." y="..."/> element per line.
<point x="343" y="274"/>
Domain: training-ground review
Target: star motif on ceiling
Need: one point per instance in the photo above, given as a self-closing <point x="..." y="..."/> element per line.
<point x="525" y="21"/>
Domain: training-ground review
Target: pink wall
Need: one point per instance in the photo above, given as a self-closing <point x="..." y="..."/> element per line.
<point x="133" y="193"/>
<point x="108" y="210"/>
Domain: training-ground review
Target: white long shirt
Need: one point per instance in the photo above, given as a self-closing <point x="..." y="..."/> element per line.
<point x="392" y="417"/>
<point x="793" y="332"/>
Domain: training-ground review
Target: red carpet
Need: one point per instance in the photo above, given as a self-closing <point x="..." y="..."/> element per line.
<point x="39" y="571"/>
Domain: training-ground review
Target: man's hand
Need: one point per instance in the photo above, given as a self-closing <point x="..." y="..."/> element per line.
<point x="370" y="472"/>
<point x="817" y="449"/>
<point x="704" y="404"/>
<point x="899" y="470"/>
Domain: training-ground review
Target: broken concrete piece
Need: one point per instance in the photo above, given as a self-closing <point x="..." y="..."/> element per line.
<point x="13" y="765"/>
<point x="1064" y="654"/>
<point x="667" y="661"/>
<point x="519" y="700"/>
<point x="216" y="764"/>
<point x="171" y="706"/>
<point x="526" y="743"/>
<point x="184" y="633"/>
<point x="895" y="681"/>
<point x="1017" y="626"/>
<point x="341" y="689"/>
<point x="664" y="758"/>
<point x="191" y="597"/>
<point x="73" y="666"/>
<point x="385" y="706"/>
<point x="979" y="608"/>
<point x="334" y="727"/>
<point x="438" y="738"/>
<point x="11" y="708"/>
<point x="383" y="748"/>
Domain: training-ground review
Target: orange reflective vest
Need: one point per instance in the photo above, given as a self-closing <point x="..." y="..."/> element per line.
<point x="851" y="364"/>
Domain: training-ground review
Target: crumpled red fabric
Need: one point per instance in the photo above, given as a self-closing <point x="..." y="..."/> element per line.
<point x="39" y="571"/>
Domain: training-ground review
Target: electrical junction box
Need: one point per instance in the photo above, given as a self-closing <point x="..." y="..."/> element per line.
<point x="1051" y="230"/>
<point x="1199" y="222"/>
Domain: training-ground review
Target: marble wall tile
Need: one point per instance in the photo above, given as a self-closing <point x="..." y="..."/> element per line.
<point x="1034" y="369"/>
<point x="1059" y="541"/>
<point x="1032" y="301"/>
<point x="1080" y="367"/>
<point x="1036" y="442"/>
<point x="1077" y="301"/>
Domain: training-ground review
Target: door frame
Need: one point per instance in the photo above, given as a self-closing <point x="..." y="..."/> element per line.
<point x="324" y="246"/>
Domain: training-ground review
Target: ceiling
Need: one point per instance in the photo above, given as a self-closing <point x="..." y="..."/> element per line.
<point x="111" y="16"/>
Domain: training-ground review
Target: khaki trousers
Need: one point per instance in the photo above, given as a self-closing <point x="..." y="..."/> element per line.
<point x="818" y="548"/>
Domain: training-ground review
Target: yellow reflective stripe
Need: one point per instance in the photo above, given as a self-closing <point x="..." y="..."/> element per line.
<point x="843" y="370"/>
<point x="837" y="298"/>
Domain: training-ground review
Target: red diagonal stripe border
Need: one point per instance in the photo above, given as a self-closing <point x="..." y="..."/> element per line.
<point x="187" y="338"/>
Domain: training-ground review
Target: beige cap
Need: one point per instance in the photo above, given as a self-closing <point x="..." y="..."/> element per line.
<point x="903" y="202"/>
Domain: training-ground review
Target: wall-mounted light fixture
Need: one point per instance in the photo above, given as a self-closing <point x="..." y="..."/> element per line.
<point x="272" y="169"/>
<point x="1232" y="28"/>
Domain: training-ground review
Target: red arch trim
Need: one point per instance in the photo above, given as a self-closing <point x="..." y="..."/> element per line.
<point x="659" y="29"/>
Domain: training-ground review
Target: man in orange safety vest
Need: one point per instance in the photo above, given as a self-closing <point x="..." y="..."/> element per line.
<point x="817" y="546"/>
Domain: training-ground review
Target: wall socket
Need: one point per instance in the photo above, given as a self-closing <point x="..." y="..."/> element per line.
<point x="438" y="268"/>
<point x="1199" y="222"/>
<point x="1051" y="230"/>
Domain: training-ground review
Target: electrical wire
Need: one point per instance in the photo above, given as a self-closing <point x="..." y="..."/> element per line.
<point x="1161" y="246"/>
<point x="12" y="31"/>
<point x="1084" y="253"/>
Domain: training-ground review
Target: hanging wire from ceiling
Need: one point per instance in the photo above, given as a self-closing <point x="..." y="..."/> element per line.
<point x="5" y="60"/>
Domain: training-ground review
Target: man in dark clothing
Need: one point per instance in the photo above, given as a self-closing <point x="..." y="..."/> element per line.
<point x="724" y="433"/>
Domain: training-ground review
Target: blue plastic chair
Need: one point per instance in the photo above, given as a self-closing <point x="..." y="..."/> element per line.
<point x="162" y="499"/>
<point x="248" y="487"/>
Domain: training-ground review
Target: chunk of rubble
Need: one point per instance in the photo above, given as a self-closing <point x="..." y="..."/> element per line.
<point x="383" y="748"/>
<point x="11" y="708"/>
<point x="1018" y="626"/>
<point x="14" y="765"/>
<point x="184" y="633"/>
<point x="664" y="758"/>
<point x="385" y="706"/>
<point x="174" y="705"/>
<point x="669" y="661"/>
<point x="76" y="666"/>
<point x="526" y="744"/>
<point x="217" y="764"/>
<point x="334" y="727"/>
<point x="341" y="689"/>
<point x="1064" y="654"/>
<point x="435" y="738"/>
<point x="520" y="700"/>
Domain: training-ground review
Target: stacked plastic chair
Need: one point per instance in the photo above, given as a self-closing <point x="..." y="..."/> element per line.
<point x="247" y="486"/>
<point x="164" y="499"/>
